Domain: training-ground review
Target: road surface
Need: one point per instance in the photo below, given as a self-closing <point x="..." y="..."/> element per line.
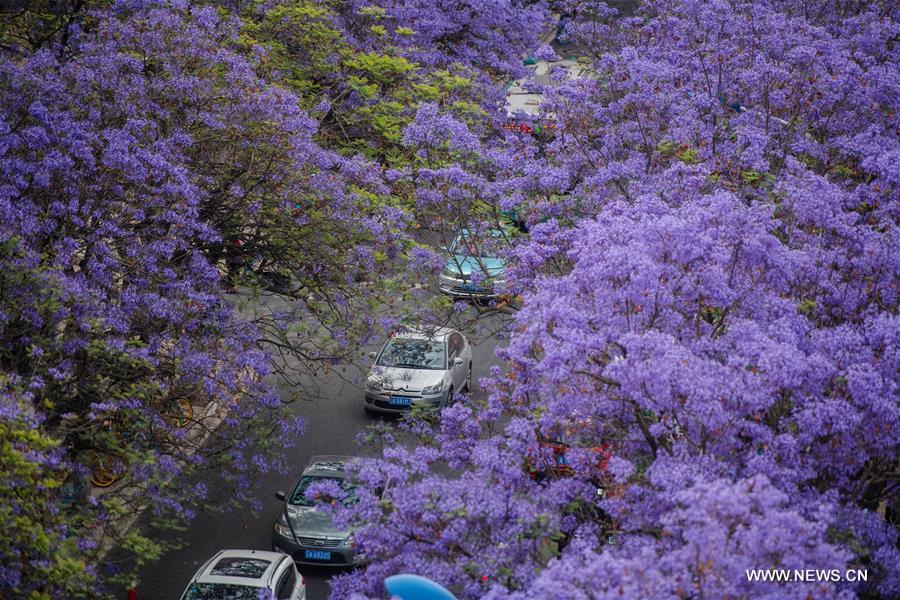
<point x="333" y="420"/>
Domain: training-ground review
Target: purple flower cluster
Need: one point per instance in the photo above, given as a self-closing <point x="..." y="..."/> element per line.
<point x="711" y="298"/>
<point x="155" y="154"/>
<point x="701" y="374"/>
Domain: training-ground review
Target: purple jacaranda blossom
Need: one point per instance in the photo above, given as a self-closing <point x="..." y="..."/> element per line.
<point x="709" y="292"/>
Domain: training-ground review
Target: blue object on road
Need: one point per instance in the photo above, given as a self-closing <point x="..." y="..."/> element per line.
<point x="416" y="587"/>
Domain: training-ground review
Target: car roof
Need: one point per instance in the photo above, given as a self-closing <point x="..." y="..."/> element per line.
<point x="493" y="231"/>
<point x="328" y="465"/>
<point x="265" y="578"/>
<point x="416" y="333"/>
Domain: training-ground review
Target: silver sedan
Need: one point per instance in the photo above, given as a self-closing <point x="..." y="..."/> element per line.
<point x="417" y="367"/>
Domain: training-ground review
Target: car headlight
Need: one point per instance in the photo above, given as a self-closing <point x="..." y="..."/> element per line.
<point x="433" y="389"/>
<point x="347" y="542"/>
<point x="373" y="385"/>
<point x="282" y="529"/>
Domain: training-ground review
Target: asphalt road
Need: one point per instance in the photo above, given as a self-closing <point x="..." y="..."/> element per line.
<point x="333" y="418"/>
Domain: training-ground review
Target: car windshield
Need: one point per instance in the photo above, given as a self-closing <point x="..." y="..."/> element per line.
<point x="225" y="591"/>
<point x="413" y="354"/>
<point x="471" y="245"/>
<point x="298" y="496"/>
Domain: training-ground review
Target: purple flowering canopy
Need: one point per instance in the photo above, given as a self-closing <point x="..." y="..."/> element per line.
<point x="710" y="292"/>
<point x="154" y="156"/>
<point x="701" y="374"/>
<point x="146" y="161"/>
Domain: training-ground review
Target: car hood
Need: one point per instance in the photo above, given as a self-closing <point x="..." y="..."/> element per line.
<point x="306" y="521"/>
<point x="407" y="380"/>
<point x="469" y="264"/>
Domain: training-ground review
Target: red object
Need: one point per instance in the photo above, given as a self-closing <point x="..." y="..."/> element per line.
<point x="526" y="128"/>
<point x="132" y="594"/>
<point x="520" y="127"/>
<point x="561" y="466"/>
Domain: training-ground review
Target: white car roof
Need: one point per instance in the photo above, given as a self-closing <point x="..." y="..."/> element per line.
<point x="416" y="333"/>
<point x="263" y="580"/>
<point x="519" y="99"/>
<point x="327" y="463"/>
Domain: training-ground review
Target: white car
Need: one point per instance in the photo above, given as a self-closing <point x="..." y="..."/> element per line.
<point x="522" y="100"/>
<point x="417" y="367"/>
<point x="247" y="575"/>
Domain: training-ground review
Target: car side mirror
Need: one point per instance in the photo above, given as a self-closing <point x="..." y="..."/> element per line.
<point x="281" y="496"/>
<point x="457" y="361"/>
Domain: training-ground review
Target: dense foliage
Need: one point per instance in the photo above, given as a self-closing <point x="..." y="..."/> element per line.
<point x="35" y="546"/>
<point x="157" y="155"/>
<point x="704" y="307"/>
<point x="714" y="305"/>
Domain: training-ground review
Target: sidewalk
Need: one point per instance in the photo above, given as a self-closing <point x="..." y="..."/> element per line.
<point x="197" y="432"/>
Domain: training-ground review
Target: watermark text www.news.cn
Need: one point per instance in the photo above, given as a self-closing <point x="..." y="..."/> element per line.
<point x="807" y="575"/>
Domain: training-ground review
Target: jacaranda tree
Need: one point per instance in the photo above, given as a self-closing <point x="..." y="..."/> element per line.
<point x="708" y="333"/>
<point x="145" y="164"/>
<point x="156" y="155"/>
<point x="701" y="377"/>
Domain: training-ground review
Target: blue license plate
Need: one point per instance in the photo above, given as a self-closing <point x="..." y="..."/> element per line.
<point x="400" y="401"/>
<point x="469" y="287"/>
<point x="317" y="554"/>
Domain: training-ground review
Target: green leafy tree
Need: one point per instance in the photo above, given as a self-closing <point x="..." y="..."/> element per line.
<point x="38" y="559"/>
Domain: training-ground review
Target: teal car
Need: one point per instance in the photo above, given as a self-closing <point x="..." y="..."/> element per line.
<point x="472" y="269"/>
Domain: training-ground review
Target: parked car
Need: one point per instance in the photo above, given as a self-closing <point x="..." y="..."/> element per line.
<point x="472" y="269"/>
<point x="417" y="367"/>
<point x="246" y="575"/>
<point x="523" y="101"/>
<point x="306" y="533"/>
